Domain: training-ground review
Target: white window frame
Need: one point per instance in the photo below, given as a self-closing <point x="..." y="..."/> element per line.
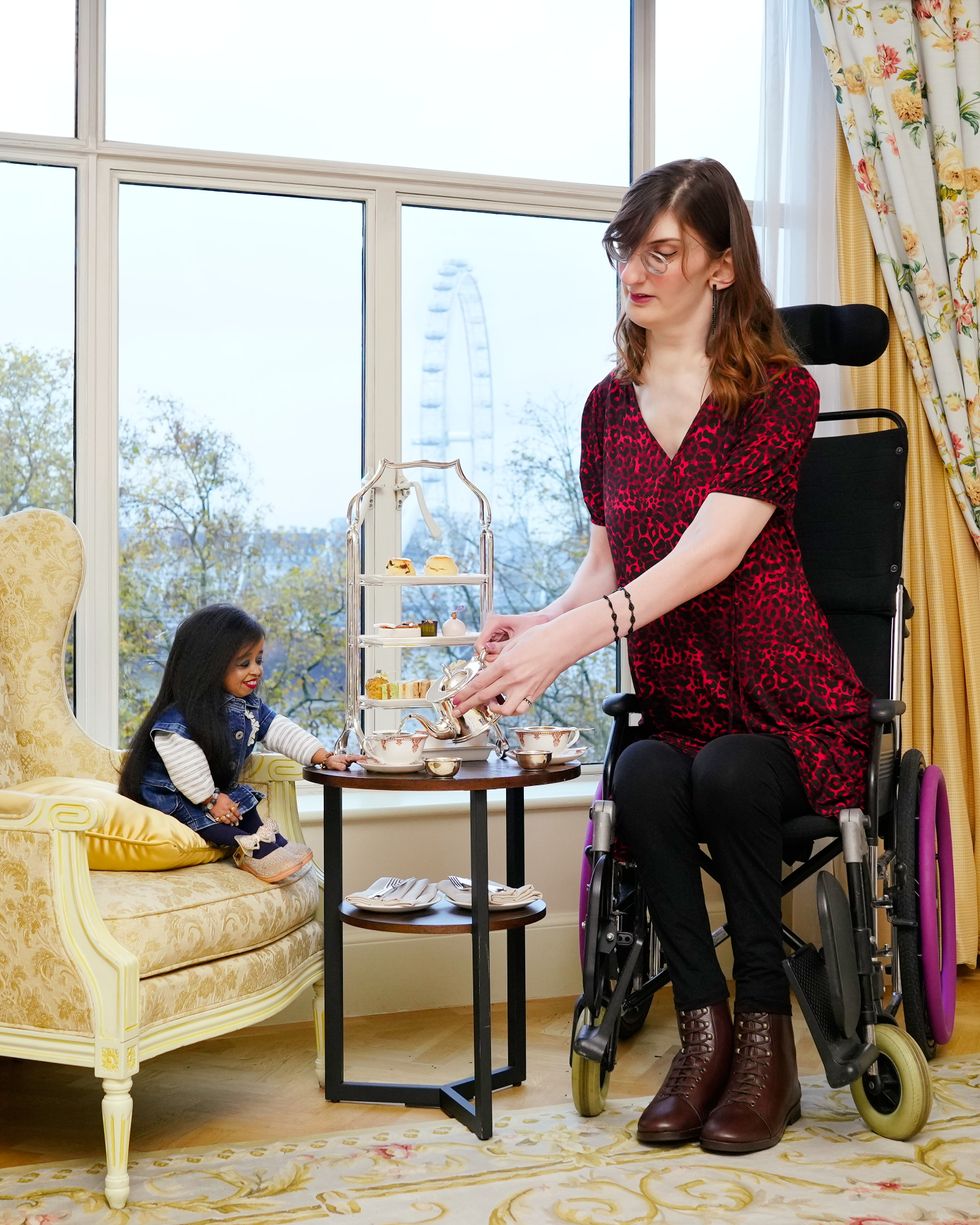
<point x="102" y="165"/>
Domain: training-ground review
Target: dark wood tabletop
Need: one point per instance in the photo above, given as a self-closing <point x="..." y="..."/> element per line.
<point x="472" y="776"/>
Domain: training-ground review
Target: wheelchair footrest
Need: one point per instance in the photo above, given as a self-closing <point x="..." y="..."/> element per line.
<point x="845" y="1056"/>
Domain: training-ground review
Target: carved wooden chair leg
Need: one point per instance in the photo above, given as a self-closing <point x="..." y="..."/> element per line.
<point x="117" y="1118"/>
<point x="318" y="1025"/>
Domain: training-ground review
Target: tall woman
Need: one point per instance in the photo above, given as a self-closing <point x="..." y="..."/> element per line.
<point x="691" y="451"/>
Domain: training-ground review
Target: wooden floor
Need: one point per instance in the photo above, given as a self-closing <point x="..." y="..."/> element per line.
<point x="259" y="1084"/>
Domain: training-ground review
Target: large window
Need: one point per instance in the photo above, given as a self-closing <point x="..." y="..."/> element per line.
<point x="311" y="236"/>
<point x="539" y="90"/>
<point x="37" y="337"/>
<point x="240" y="357"/>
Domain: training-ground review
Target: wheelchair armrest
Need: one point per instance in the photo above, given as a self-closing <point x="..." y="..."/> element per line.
<point x="619" y="704"/>
<point x="885" y="710"/>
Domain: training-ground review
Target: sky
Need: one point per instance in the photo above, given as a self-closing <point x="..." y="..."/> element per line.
<point x="247" y="308"/>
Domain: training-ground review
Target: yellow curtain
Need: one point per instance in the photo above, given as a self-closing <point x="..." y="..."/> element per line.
<point x="942" y="572"/>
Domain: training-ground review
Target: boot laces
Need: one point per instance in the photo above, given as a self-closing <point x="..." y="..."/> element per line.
<point x="691" y="1060"/>
<point x="753" y="1055"/>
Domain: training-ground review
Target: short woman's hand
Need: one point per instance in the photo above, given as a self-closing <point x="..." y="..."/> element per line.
<point x="225" y="810"/>
<point x="338" y="761"/>
<point x="503" y="628"/>
<point x="521" y="672"/>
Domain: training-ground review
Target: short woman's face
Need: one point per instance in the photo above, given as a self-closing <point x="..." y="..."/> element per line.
<point x="667" y="278"/>
<point x="245" y="671"/>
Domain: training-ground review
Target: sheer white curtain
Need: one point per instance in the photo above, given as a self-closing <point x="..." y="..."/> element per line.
<point x="795" y="211"/>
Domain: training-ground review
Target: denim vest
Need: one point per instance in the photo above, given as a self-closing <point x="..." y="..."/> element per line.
<point x="248" y="720"/>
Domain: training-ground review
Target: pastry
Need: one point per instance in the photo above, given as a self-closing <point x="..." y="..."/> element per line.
<point x="429" y="628"/>
<point x="441" y="563"/>
<point x="452" y="627"/>
<point x="400" y="565"/>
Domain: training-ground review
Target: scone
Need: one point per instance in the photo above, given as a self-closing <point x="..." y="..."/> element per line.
<point x="400" y="565"/>
<point x="441" y="563"/>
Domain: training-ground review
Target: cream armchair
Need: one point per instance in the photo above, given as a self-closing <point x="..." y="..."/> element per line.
<point x="106" y="969"/>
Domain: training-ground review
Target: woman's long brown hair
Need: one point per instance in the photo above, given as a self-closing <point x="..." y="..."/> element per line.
<point x="747" y="343"/>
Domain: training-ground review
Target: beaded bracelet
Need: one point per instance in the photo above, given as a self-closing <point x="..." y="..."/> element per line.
<point x="209" y="804"/>
<point x="614" y="620"/>
<point x="629" y="601"/>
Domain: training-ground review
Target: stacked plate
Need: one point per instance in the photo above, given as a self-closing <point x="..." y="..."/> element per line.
<point x="391" y="895"/>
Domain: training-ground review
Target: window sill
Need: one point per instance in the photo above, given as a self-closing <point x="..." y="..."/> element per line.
<point x="366" y="805"/>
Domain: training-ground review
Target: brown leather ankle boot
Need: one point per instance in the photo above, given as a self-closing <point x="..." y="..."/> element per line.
<point x="763" y="1094"/>
<point x="695" y="1078"/>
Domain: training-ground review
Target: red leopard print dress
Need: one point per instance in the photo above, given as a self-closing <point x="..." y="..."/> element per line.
<point x="755" y="653"/>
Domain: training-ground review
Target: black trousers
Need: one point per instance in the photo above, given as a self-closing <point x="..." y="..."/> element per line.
<point x="733" y="796"/>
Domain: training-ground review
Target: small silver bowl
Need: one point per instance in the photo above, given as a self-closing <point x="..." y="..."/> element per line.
<point x="532" y="759"/>
<point x="442" y="767"/>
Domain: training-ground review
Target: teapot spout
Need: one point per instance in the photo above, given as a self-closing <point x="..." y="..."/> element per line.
<point x="442" y="729"/>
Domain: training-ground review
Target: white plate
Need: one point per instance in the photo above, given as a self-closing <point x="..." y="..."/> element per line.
<point x="457" y="896"/>
<point x="566" y="755"/>
<point x="382" y="767"/>
<point x="374" y="904"/>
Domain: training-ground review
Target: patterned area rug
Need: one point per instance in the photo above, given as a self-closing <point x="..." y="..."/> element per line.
<point x="547" y="1166"/>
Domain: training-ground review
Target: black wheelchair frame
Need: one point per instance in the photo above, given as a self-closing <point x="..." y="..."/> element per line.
<point x="849" y="521"/>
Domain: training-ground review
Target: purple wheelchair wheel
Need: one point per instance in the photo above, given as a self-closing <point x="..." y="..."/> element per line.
<point x="584" y="880"/>
<point x="937" y="923"/>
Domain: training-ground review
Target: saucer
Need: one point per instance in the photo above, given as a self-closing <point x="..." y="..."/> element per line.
<point x="383" y="767"/>
<point x="564" y="756"/>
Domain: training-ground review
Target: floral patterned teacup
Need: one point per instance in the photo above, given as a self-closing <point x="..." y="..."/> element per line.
<point x="546" y="739"/>
<point x="396" y="748"/>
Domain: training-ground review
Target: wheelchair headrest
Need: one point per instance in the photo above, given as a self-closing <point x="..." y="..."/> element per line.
<point x="854" y="335"/>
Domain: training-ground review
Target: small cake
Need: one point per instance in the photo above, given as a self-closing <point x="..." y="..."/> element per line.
<point x="452" y="627"/>
<point x="407" y="629"/>
<point x="428" y="627"/>
<point x="400" y="565"/>
<point x="441" y="563"/>
<point x="378" y="687"/>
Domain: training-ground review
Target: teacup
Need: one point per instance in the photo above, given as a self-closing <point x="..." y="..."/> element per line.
<point x="396" y="748"/>
<point x="546" y="739"/>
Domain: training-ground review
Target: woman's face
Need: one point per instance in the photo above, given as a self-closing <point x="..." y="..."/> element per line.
<point x="681" y="293"/>
<point x="245" y="670"/>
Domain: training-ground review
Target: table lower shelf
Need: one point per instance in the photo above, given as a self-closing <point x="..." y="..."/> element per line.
<point x="441" y="917"/>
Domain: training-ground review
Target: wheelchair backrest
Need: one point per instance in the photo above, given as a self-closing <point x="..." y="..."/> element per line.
<point x="850" y="513"/>
<point x="850" y="516"/>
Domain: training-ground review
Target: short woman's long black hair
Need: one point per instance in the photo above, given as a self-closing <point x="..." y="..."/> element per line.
<point x="204" y="647"/>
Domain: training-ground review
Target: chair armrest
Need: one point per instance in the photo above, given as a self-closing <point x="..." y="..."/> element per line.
<point x="886" y="710"/>
<point x="277" y="776"/>
<point x="271" y="768"/>
<point x="618" y="704"/>
<point x="79" y="978"/>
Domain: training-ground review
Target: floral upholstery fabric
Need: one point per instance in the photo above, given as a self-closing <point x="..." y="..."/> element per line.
<point x="41" y="988"/>
<point x="906" y="75"/>
<point x="196" y="988"/>
<point x="41" y="568"/>
<point x="197" y="914"/>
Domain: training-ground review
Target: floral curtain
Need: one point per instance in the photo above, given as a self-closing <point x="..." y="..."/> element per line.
<point x="907" y="82"/>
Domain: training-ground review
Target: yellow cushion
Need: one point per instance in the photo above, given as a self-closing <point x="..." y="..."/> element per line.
<point x="132" y="838"/>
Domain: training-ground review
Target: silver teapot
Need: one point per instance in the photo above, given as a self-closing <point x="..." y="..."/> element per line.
<point x="450" y="725"/>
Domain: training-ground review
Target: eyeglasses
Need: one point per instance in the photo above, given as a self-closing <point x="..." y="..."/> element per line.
<point x="654" y="262"/>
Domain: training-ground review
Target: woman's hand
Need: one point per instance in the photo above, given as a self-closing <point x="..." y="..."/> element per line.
<point x="502" y="628"/>
<point x="225" y="810"/>
<point x="523" y="669"/>
<point x="334" y="761"/>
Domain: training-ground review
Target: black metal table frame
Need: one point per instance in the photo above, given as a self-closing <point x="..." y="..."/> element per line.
<point x="470" y="1099"/>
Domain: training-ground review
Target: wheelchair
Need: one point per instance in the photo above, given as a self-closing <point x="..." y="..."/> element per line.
<point x="896" y="849"/>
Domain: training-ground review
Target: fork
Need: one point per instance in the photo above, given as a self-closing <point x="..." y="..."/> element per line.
<point x="386" y="884"/>
<point x="464" y="883"/>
